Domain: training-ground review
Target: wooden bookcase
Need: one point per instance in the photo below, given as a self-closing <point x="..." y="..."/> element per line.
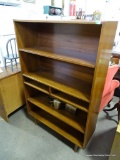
<point x="68" y="61"/>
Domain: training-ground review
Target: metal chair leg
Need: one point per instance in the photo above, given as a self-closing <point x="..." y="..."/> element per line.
<point x="116" y="106"/>
<point x="118" y="109"/>
<point x="5" y="63"/>
<point x="16" y="62"/>
<point x="11" y="66"/>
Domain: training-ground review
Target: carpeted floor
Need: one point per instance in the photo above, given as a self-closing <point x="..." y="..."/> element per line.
<point x="21" y="139"/>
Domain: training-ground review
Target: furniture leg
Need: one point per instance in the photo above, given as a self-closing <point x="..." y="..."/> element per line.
<point x="118" y="115"/>
<point x="5" y="63"/>
<point x="16" y="62"/>
<point x="35" y="120"/>
<point x="117" y="105"/>
<point x="11" y="66"/>
<point x="76" y="148"/>
<point x="118" y="109"/>
<point x="109" y="103"/>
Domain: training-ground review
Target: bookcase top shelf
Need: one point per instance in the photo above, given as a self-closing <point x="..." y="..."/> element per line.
<point x="59" y="21"/>
<point x="74" y="21"/>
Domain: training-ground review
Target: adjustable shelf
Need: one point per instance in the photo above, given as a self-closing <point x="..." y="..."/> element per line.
<point x="70" y="100"/>
<point x="81" y="91"/>
<point x="57" y="94"/>
<point x="66" y="61"/>
<point x="67" y="55"/>
<point x="38" y="86"/>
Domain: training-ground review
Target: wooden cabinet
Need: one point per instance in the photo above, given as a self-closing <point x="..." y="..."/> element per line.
<point x="11" y="91"/>
<point x="65" y="61"/>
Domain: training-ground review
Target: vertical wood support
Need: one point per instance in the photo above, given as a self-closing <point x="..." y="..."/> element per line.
<point x="35" y="121"/>
<point x="76" y="148"/>
<point x="50" y="90"/>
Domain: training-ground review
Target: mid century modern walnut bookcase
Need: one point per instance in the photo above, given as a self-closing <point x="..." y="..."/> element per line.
<point x="68" y="61"/>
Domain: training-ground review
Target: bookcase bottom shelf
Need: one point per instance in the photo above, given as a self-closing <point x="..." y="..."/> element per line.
<point x="55" y="124"/>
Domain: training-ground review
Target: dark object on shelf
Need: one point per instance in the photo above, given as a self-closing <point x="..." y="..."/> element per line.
<point x="51" y="10"/>
<point x="57" y="104"/>
<point x="70" y="108"/>
<point x="80" y="14"/>
<point x="88" y="17"/>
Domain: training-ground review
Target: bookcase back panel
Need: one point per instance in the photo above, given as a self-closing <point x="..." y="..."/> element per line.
<point x="63" y="31"/>
<point x="79" y="41"/>
<point x="30" y="92"/>
<point x="53" y="73"/>
<point x="75" y="41"/>
<point x="25" y="39"/>
<point x="29" y="62"/>
<point x="36" y="63"/>
<point x="75" y="71"/>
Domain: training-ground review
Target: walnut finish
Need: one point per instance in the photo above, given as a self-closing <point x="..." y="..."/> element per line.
<point x="66" y="60"/>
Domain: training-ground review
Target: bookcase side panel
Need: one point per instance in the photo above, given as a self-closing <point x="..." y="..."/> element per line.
<point x="102" y="63"/>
